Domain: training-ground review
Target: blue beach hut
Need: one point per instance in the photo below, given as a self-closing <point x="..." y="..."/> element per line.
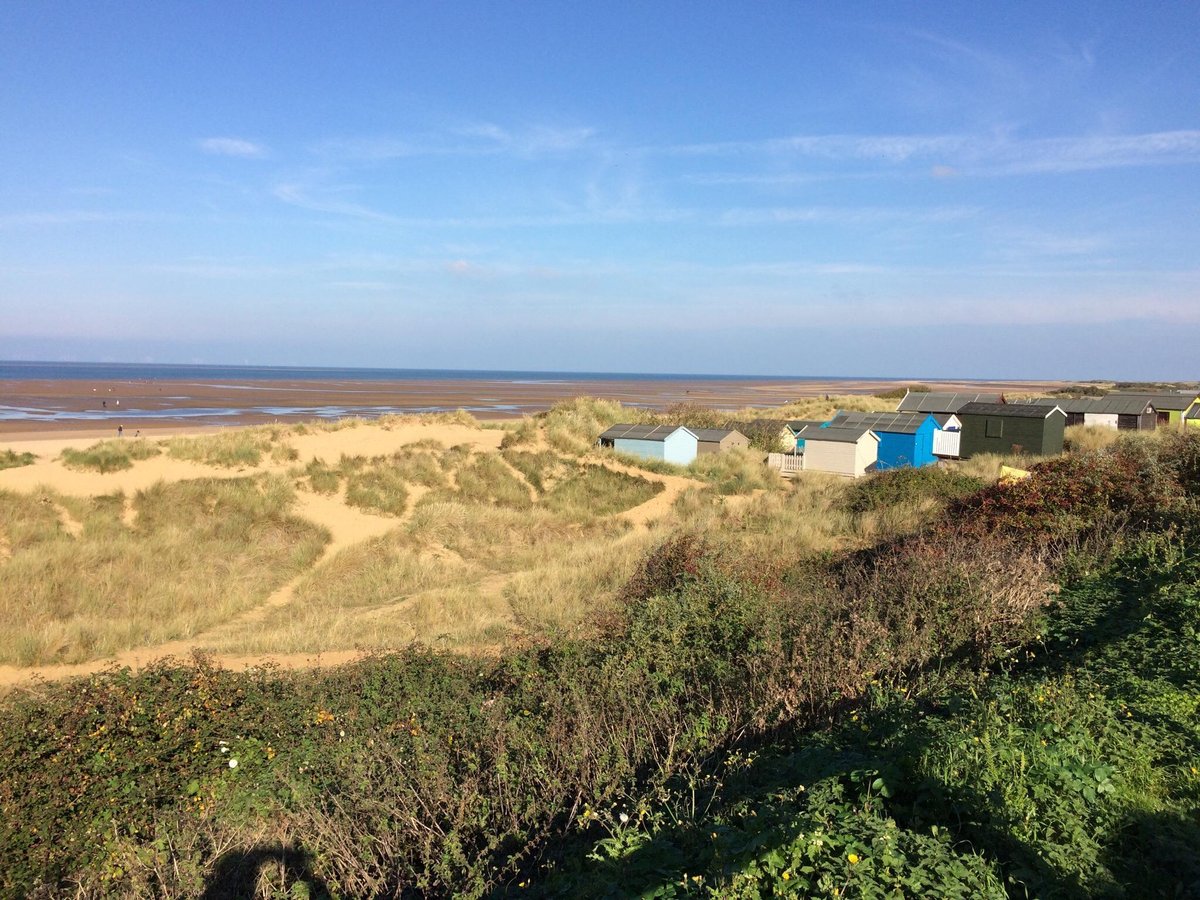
<point x="671" y="443"/>
<point x="905" y="439"/>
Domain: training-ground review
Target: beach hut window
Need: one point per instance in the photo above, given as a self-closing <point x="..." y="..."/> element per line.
<point x="994" y="428"/>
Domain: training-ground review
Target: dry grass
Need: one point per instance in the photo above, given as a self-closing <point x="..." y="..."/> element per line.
<point x="986" y="466"/>
<point x="567" y="591"/>
<point x="109" y="456"/>
<point x="200" y="553"/>
<point x="236" y="448"/>
<point x="10" y="459"/>
<point x="595" y="491"/>
<point x="735" y="472"/>
<point x="460" y="556"/>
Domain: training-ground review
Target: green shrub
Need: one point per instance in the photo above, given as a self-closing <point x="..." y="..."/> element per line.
<point x="900" y="392"/>
<point x="909" y="485"/>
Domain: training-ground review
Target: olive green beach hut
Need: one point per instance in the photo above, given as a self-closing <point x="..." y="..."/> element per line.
<point x="1011" y="428"/>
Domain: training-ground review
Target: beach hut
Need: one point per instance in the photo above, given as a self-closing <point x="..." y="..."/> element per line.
<point x="1171" y="407"/>
<point x="1128" y="412"/>
<point x="716" y="440"/>
<point x="671" y="443"/>
<point x="905" y="439"/>
<point x="795" y="426"/>
<point x="1192" y="419"/>
<point x="849" y="450"/>
<point x="943" y="401"/>
<point x="1011" y="428"/>
<point x="1075" y="408"/>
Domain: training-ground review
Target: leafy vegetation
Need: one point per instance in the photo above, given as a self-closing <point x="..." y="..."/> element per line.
<point x="908" y="485"/>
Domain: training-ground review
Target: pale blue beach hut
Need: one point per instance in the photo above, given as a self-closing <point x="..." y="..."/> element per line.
<point x="670" y="443"/>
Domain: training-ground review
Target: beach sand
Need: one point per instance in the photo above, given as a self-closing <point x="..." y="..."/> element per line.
<point x="163" y="407"/>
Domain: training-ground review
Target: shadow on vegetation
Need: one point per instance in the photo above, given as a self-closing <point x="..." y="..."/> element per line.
<point x="236" y="874"/>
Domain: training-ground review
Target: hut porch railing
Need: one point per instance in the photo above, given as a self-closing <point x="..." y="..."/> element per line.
<point x="947" y="443"/>
<point x="786" y="464"/>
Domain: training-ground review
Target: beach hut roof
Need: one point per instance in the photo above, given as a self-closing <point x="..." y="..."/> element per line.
<point x="795" y="425"/>
<point x="843" y="434"/>
<point x="715" y="434"/>
<point x="1010" y="410"/>
<point x="1122" y="404"/>
<point x="893" y="423"/>
<point x="943" y="401"/>
<point x="1173" y="401"/>
<point x="643" y="432"/>
<point x="1066" y="404"/>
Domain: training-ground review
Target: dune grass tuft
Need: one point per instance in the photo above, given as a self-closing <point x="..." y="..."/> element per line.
<point x="11" y="459"/>
<point x="238" y="448"/>
<point x="593" y="491"/>
<point x="734" y="471"/>
<point x="375" y="486"/>
<point x="109" y="456"/>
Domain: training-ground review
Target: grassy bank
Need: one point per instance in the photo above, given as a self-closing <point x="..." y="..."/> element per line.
<point x="1002" y="702"/>
<point x="84" y="578"/>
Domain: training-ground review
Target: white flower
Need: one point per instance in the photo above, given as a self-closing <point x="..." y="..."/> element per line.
<point x="342" y="732"/>
<point x="224" y="749"/>
<point x="233" y="764"/>
<point x="624" y="818"/>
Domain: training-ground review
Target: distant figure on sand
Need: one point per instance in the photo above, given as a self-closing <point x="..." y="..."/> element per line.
<point x="120" y="431"/>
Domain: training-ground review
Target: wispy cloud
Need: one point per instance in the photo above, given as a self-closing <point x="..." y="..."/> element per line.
<point x="63" y="217"/>
<point x="477" y="139"/>
<point x="231" y="146"/>
<point x="297" y="195"/>
<point x="846" y="215"/>
<point x="530" y="141"/>
<point x="965" y="154"/>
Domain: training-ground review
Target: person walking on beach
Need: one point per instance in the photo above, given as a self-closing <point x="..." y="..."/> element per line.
<point x="120" y="431"/>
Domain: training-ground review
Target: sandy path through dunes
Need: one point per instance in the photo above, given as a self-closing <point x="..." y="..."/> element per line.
<point x="347" y="526"/>
<point x="658" y="506"/>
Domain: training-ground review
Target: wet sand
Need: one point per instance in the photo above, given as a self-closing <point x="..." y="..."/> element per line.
<point x="56" y="408"/>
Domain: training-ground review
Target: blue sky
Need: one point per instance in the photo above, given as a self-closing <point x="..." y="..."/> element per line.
<point x="932" y="189"/>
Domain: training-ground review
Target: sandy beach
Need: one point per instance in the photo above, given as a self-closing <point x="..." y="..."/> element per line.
<point x="54" y="408"/>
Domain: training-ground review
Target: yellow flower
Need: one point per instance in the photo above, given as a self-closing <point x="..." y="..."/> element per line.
<point x="853" y="857"/>
<point x="787" y="876"/>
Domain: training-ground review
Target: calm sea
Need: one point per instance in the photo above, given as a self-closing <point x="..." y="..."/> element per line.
<point x="63" y="371"/>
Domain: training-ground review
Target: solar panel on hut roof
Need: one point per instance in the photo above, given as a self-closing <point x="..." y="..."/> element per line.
<point x="894" y="423"/>
<point x="943" y="401"/>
